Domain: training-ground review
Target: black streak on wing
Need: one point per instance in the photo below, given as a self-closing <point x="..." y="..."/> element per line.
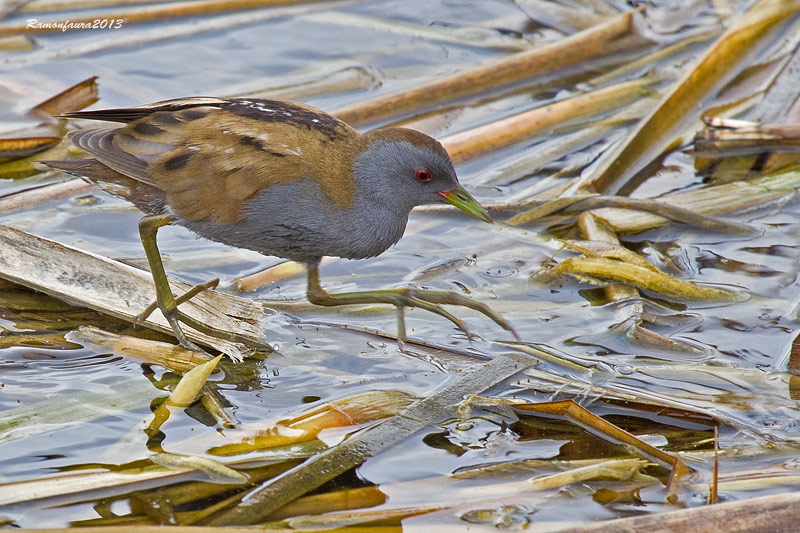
<point x="287" y="113"/>
<point x="258" y="145"/>
<point x="177" y="162"/>
<point x="144" y="128"/>
<point x="191" y="114"/>
<point x="165" y="118"/>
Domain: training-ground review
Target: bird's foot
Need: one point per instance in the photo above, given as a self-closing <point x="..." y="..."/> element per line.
<point x="185" y="297"/>
<point x="168" y="304"/>
<point x="174" y="316"/>
<point x="429" y="300"/>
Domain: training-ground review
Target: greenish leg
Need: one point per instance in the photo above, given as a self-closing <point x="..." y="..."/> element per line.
<point x="148" y="228"/>
<point x="401" y="298"/>
<point x="168" y="304"/>
<point x="185" y="297"/>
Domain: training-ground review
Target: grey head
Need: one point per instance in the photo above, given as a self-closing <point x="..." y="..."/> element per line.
<point x="403" y="168"/>
<point x="400" y="168"/>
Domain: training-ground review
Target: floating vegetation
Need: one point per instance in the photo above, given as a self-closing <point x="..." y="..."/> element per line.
<point x="642" y="170"/>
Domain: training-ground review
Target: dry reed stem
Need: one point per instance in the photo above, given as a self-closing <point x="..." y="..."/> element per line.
<point x="37" y="195"/>
<point x="594" y="231"/>
<point x="327" y="502"/>
<point x="118" y="290"/>
<point x="747" y="140"/>
<point x="714" y="200"/>
<point x="584" y="417"/>
<point x="280" y="272"/>
<point x="643" y="271"/>
<point x="349" y="411"/>
<point x="171" y="356"/>
<point x="14" y="148"/>
<point x="75" y="98"/>
<point x="325" y="466"/>
<point x="656" y="133"/>
<point x="776" y="512"/>
<point x="586" y="269"/>
<point x="17" y="43"/>
<point x="496" y="135"/>
<point x="594" y="42"/>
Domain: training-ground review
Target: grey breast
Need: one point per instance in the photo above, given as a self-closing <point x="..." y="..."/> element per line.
<point x="298" y="221"/>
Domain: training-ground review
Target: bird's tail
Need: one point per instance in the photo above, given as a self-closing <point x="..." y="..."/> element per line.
<point x="98" y="174"/>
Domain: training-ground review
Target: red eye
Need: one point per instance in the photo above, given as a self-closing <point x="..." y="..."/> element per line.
<point x="422" y="175"/>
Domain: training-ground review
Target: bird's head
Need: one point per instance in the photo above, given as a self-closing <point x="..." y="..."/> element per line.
<point x="408" y="168"/>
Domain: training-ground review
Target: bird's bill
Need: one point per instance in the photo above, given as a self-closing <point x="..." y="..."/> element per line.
<point x="463" y="200"/>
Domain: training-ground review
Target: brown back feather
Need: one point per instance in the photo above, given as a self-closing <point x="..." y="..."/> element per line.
<point x="210" y="160"/>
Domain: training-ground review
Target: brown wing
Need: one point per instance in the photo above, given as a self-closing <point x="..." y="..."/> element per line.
<point x="210" y="159"/>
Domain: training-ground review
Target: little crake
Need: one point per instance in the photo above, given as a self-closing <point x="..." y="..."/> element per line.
<point x="277" y="177"/>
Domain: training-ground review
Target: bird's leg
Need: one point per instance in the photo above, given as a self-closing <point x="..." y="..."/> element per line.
<point x="165" y="301"/>
<point x="401" y="298"/>
<point x="168" y="304"/>
<point x="185" y="297"/>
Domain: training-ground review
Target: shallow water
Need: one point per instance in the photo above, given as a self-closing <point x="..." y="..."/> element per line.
<point x="736" y="378"/>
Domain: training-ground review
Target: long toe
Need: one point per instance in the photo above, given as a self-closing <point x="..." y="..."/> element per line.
<point x="183" y="298"/>
<point x="454" y="298"/>
<point x="441" y="311"/>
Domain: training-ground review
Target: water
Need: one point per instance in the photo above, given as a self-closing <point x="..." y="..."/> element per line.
<point x="736" y="379"/>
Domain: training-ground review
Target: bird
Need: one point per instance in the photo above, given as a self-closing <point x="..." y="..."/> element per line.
<point x="279" y="177"/>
